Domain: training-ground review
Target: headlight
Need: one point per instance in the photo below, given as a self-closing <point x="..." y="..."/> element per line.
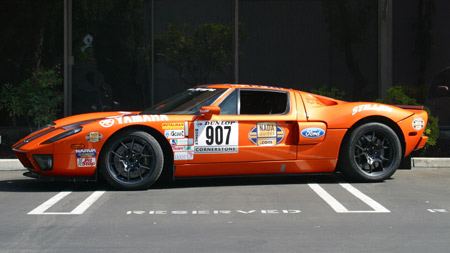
<point x="63" y="135"/>
<point x="45" y="162"/>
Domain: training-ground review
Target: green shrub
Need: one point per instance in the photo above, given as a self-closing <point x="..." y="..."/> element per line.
<point x="12" y="101"/>
<point x="396" y="96"/>
<point x="332" y="92"/>
<point x="37" y="99"/>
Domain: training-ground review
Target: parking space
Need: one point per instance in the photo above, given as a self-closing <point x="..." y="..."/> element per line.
<point x="318" y="213"/>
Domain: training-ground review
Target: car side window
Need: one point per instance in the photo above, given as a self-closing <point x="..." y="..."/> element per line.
<point x="255" y="102"/>
<point x="229" y="104"/>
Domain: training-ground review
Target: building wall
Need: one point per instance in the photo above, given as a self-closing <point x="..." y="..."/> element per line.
<point x="301" y="44"/>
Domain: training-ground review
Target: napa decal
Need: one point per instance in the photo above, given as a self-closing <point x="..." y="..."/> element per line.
<point x="266" y="134"/>
<point x="132" y="119"/>
<point x="312" y="132"/>
<point x="86" y="157"/>
<point x="371" y="107"/>
<point x="85" y="153"/>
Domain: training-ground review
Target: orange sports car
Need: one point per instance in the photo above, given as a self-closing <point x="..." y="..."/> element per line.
<point x="227" y="130"/>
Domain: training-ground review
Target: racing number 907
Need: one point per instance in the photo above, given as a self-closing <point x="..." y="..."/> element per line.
<point x="214" y="135"/>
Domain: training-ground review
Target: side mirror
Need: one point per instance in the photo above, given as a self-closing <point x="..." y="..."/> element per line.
<point x="209" y="111"/>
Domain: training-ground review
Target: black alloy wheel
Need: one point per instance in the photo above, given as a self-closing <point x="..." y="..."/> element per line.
<point x="132" y="161"/>
<point x="371" y="153"/>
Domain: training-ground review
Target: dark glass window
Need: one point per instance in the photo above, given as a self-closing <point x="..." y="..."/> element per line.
<point x="188" y="102"/>
<point x="263" y="102"/>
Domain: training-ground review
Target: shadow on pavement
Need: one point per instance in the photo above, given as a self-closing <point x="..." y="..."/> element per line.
<point x="17" y="184"/>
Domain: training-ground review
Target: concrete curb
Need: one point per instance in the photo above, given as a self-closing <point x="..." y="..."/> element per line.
<point x="430" y="162"/>
<point x="416" y="162"/>
<point x="11" y="164"/>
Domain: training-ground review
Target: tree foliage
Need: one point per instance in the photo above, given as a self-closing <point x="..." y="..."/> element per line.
<point x="396" y="96"/>
<point x="37" y="99"/>
<point x="331" y="92"/>
<point x="196" y="56"/>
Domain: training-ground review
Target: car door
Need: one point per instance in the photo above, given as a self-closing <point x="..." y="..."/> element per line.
<point x="254" y="125"/>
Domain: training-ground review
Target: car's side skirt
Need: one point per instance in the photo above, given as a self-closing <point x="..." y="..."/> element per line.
<point x="256" y="168"/>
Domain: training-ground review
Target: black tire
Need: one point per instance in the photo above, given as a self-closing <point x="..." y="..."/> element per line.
<point x="132" y="161"/>
<point x="370" y="153"/>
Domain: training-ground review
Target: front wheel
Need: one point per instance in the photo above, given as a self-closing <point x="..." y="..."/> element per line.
<point x="132" y="160"/>
<point x="371" y="153"/>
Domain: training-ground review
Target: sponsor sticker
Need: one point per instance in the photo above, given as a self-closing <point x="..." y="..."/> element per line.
<point x="418" y="124"/>
<point x="215" y="150"/>
<point x="183" y="155"/>
<point x="266" y="134"/>
<point x="106" y="122"/>
<point x="371" y="107"/>
<point x="132" y="119"/>
<point x="183" y="141"/>
<point x="182" y="148"/>
<point x="86" y="162"/>
<point x="94" y="137"/>
<point x="173" y="126"/>
<point x="174" y="134"/>
<point x="313" y="132"/>
<point x="215" y="137"/>
<point x="84" y="153"/>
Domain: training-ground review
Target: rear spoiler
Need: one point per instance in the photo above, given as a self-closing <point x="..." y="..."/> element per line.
<point x="412" y="107"/>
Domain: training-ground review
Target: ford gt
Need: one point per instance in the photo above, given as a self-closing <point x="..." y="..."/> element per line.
<point x="227" y="130"/>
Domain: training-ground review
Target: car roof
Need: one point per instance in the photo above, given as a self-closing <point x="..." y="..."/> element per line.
<point x="242" y="86"/>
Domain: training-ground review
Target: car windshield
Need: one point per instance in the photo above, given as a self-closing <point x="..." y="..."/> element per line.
<point x="187" y="102"/>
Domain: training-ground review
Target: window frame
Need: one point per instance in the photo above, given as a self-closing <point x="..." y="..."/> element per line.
<point x="238" y="105"/>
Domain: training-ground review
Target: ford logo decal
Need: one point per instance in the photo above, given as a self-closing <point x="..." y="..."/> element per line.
<point x="313" y="132"/>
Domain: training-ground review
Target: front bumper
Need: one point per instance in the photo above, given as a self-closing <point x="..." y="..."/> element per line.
<point x="33" y="174"/>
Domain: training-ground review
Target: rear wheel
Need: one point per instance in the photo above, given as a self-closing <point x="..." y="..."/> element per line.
<point x="132" y="160"/>
<point x="371" y="153"/>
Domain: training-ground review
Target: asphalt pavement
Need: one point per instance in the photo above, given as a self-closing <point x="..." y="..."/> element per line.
<point x="408" y="213"/>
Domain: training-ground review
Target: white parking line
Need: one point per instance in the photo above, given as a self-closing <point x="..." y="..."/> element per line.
<point x="377" y="207"/>
<point x="339" y="208"/>
<point x="80" y="209"/>
<point x="49" y="203"/>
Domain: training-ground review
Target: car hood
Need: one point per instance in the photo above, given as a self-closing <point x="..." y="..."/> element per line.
<point x="89" y="117"/>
